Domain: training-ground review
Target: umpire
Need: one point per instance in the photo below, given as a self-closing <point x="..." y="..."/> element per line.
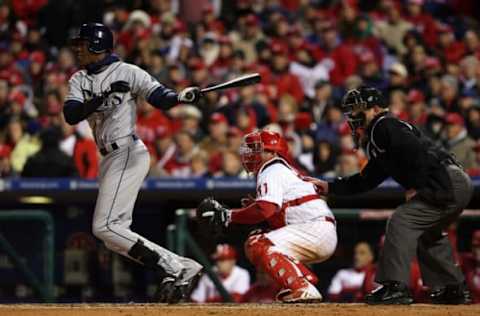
<point x="437" y="192"/>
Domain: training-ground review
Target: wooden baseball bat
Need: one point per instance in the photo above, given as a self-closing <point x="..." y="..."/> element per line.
<point x="242" y="81"/>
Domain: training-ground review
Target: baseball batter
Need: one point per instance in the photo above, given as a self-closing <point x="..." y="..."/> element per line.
<point x="104" y="92"/>
<point x="303" y="227"/>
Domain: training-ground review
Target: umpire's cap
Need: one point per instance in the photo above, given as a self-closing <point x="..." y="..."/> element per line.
<point x="98" y="36"/>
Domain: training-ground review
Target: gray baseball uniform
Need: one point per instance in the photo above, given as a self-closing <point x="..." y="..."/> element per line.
<point x="126" y="160"/>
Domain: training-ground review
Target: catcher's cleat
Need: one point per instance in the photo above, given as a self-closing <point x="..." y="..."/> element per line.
<point x="390" y="293"/>
<point x="451" y="295"/>
<point x="308" y="294"/>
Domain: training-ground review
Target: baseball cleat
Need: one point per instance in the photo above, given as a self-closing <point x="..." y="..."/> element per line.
<point x="167" y="291"/>
<point x="188" y="286"/>
<point x="451" y="295"/>
<point x="390" y="293"/>
<point x="308" y="294"/>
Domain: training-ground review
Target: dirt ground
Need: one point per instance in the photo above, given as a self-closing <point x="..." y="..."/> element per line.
<point x="234" y="310"/>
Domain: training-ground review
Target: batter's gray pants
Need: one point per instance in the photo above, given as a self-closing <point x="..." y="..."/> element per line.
<point x="121" y="175"/>
<point x="417" y="228"/>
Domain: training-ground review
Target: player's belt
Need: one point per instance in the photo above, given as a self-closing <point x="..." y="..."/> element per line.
<point x="300" y="201"/>
<point x="117" y="144"/>
<point x="305" y="199"/>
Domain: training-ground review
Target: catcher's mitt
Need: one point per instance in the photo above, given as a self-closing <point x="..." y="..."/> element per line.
<point x="214" y="214"/>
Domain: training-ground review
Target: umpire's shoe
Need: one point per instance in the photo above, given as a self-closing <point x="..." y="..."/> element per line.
<point x="390" y="293"/>
<point x="451" y="295"/>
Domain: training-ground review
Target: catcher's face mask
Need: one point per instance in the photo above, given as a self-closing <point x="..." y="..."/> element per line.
<point x="251" y="152"/>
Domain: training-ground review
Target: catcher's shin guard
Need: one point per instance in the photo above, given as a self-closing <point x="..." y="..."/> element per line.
<point x="262" y="253"/>
<point x="309" y="275"/>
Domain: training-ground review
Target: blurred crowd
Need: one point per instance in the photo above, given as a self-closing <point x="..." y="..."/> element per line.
<point x="423" y="54"/>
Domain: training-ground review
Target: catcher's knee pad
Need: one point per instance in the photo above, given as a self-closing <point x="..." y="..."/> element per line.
<point x="256" y="246"/>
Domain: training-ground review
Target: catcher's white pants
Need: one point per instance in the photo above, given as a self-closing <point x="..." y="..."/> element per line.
<point x="121" y="175"/>
<point x="308" y="242"/>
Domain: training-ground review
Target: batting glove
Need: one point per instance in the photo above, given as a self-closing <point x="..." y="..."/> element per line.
<point x="189" y="95"/>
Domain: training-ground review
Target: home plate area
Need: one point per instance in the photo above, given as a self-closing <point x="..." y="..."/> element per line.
<point x="234" y="310"/>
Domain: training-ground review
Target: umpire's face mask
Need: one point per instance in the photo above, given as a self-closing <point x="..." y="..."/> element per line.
<point x="356" y="120"/>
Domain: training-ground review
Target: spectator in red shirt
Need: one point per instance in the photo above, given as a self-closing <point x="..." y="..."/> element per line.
<point x="216" y="141"/>
<point x="85" y="157"/>
<point x="449" y="48"/>
<point x="5" y="166"/>
<point x="338" y="57"/>
<point x="365" y="41"/>
<point x="210" y="21"/>
<point x="422" y="21"/>
<point x="148" y="120"/>
<point x="283" y="81"/>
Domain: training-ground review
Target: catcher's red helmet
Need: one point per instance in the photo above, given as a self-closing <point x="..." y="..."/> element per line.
<point x="224" y="252"/>
<point x="255" y="143"/>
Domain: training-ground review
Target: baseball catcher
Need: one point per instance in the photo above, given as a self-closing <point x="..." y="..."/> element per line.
<point x="302" y="226"/>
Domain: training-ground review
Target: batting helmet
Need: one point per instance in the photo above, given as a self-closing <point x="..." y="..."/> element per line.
<point x="255" y="143"/>
<point x="98" y="36"/>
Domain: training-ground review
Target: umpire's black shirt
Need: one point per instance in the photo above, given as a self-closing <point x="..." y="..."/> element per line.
<point x="399" y="150"/>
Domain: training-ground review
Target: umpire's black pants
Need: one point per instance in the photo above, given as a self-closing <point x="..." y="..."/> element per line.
<point x="416" y="228"/>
